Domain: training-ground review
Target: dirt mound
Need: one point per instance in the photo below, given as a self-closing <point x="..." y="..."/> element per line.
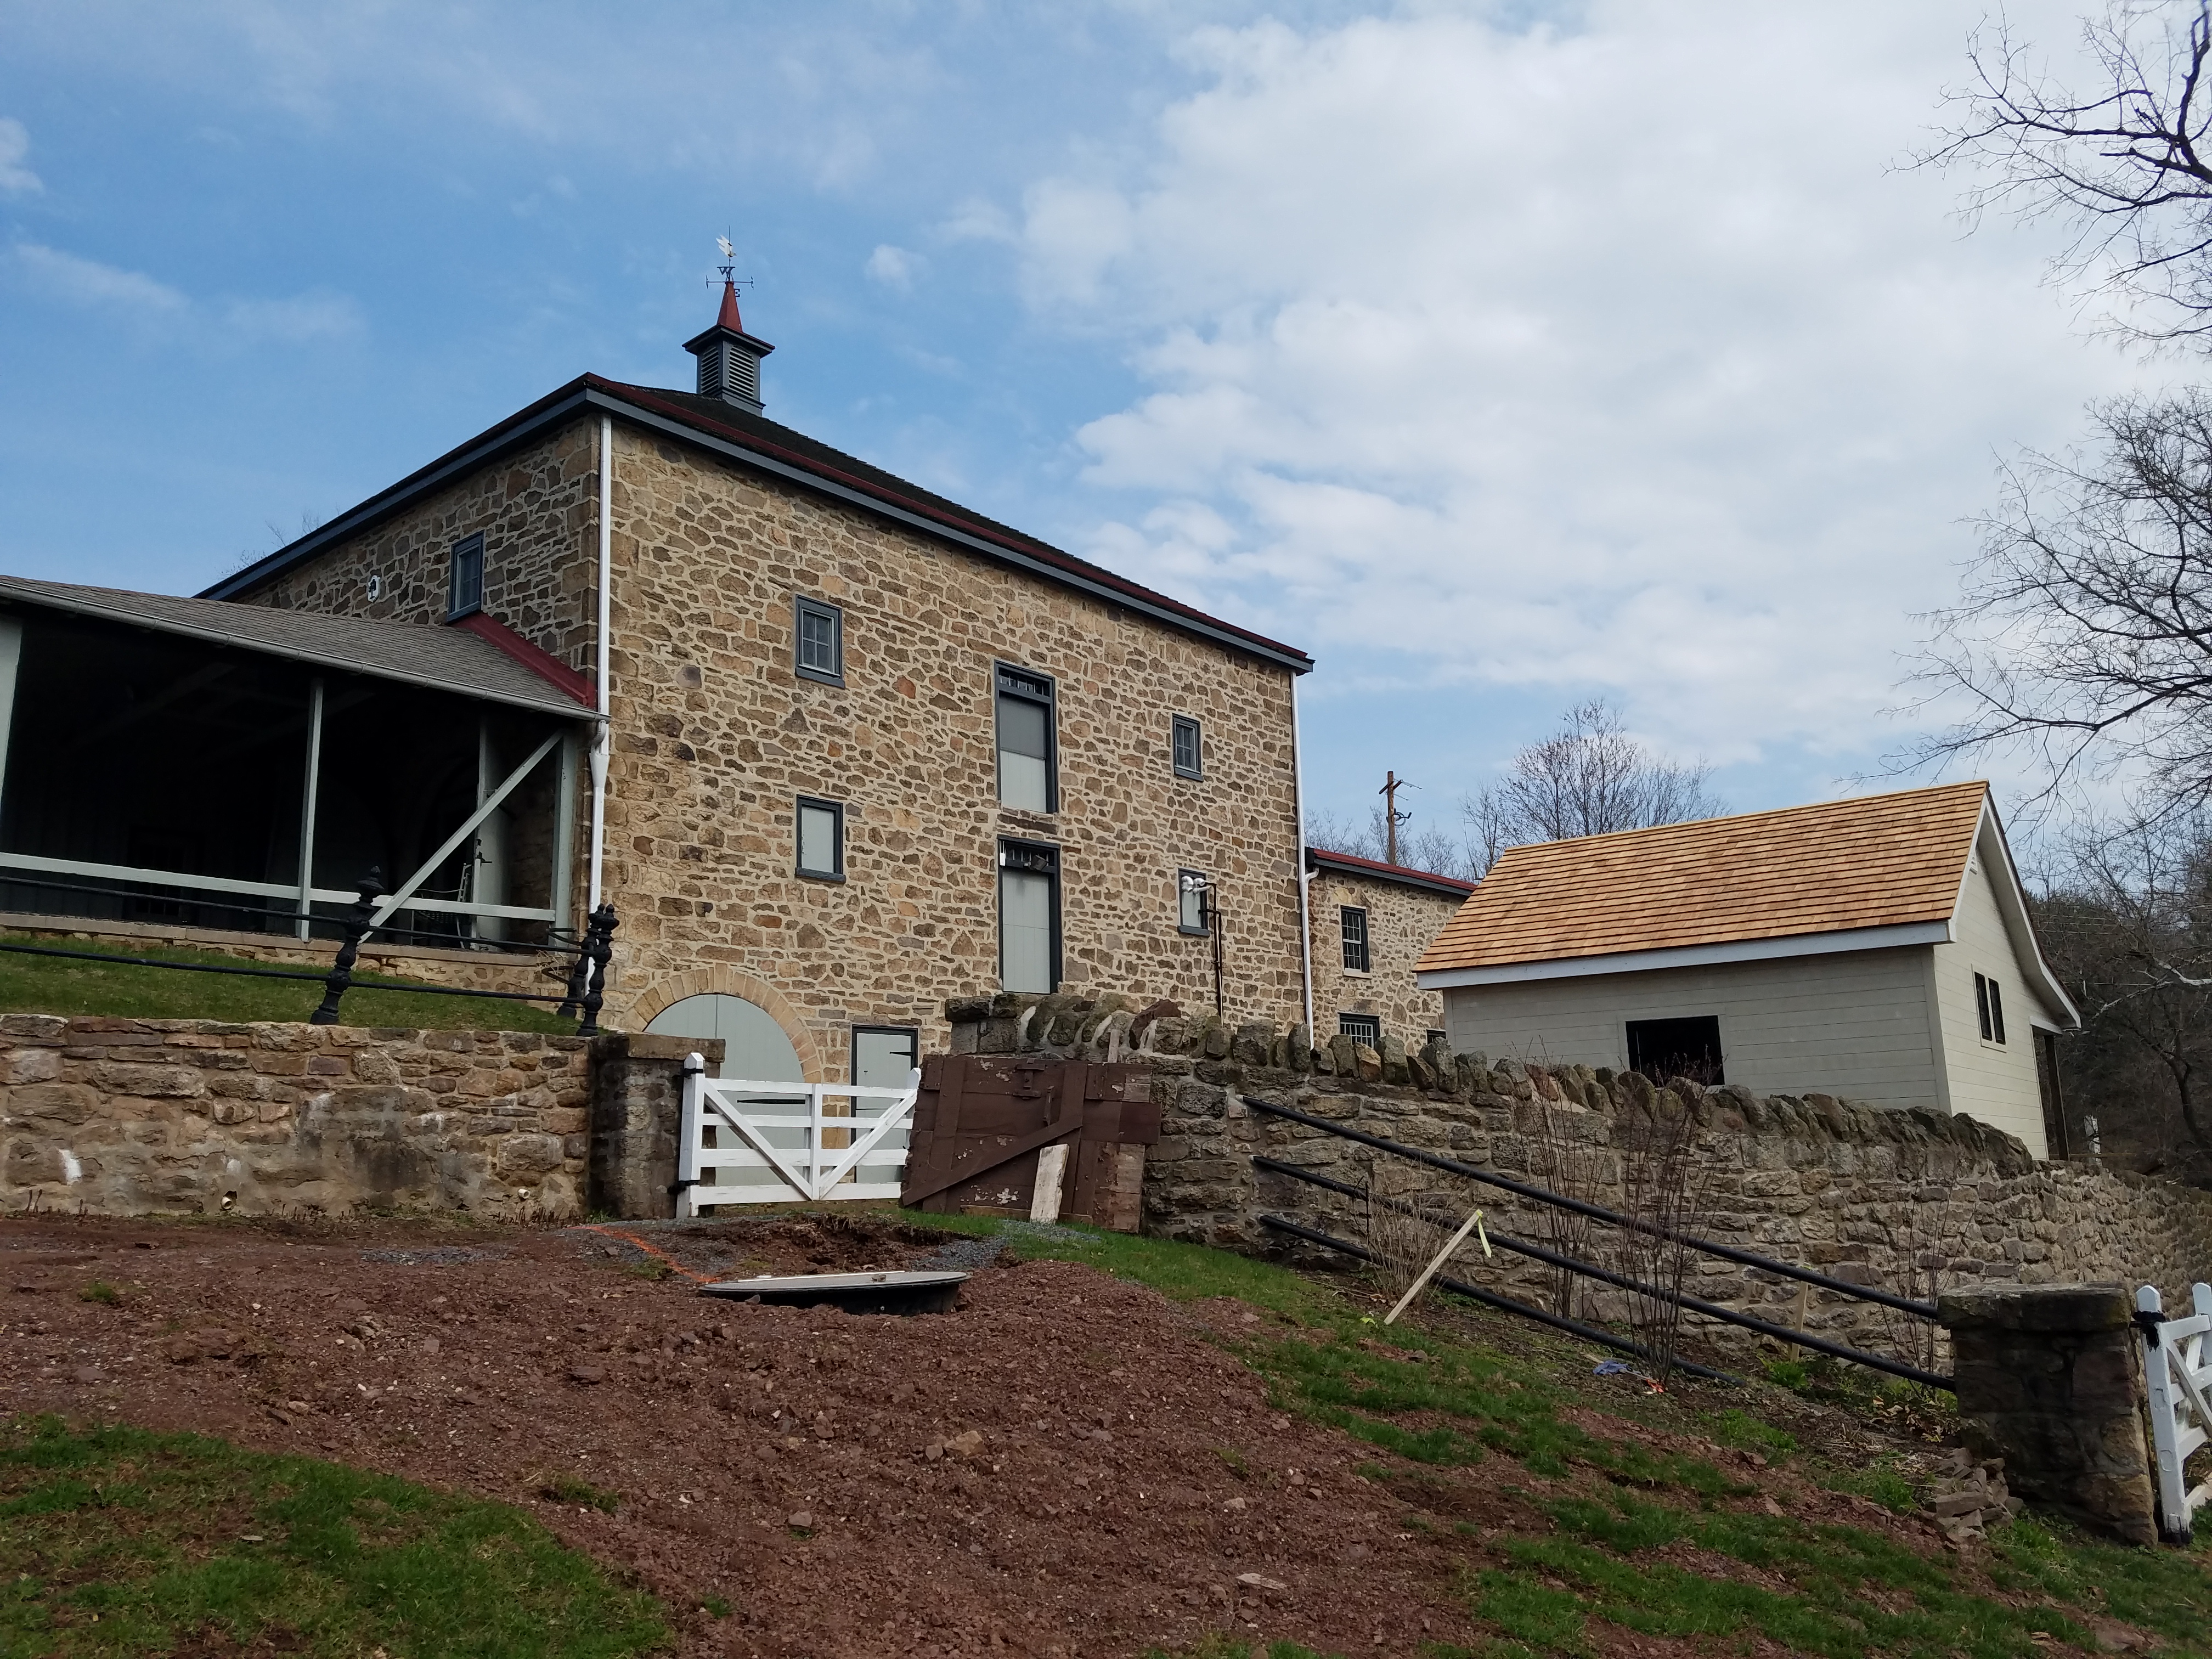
<point x="1067" y="1465"/>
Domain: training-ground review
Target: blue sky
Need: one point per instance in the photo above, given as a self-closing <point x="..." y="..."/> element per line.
<point x="1500" y="355"/>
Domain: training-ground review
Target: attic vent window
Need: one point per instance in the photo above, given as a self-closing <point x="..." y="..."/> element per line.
<point x="464" y="584"/>
<point x="1988" y="1007"/>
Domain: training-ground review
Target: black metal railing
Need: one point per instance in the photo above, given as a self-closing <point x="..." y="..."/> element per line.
<point x="581" y="998"/>
<point x="1598" y="1212"/>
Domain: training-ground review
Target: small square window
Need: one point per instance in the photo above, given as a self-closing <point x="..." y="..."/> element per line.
<point x="1193" y="902"/>
<point x="821" y="631"/>
<point x="465" y="578"/>
<point x="1188" y="753"/>
<point x="1361" y="1028"/>
<point x="1352" y="919"/>
<point x="1989" y="1008"/>
<point x="821" y="839"/>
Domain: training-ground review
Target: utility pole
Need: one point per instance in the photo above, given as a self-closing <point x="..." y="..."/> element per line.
<point x="1392" y="818"/>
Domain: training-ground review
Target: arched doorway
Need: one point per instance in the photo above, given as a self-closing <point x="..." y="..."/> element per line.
<point x="757" y="1047"/>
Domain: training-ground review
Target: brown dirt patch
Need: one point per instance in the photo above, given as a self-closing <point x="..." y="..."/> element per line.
<point x="1125" y="1476"/>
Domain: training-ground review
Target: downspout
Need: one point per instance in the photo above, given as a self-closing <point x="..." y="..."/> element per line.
<point x="1298" y="804"/>
<point x="601" y="736"/>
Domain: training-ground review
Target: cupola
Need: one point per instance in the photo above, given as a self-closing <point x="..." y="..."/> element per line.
<point x="729" y="358"/>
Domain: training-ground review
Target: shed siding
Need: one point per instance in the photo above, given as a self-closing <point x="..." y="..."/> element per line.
<point x="1854" y="1024"/>
<point x="1991" y="1081"/>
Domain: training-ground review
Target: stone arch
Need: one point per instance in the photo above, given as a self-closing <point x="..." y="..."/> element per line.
<point x="666" y="991"/>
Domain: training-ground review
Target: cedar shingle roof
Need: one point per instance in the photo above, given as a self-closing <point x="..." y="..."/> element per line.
<point x="1878" y="862"/>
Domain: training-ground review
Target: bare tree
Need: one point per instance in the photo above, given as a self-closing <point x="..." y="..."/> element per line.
<point x="1586" y="779"/>
<point x="1424" y="847"/>
<point x="2128" y="926"/>
<point x="2084" y="634"/>
<point x="2122" y="160"/>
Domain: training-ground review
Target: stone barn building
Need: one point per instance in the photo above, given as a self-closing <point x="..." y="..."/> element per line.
<point x="862" y="748"/>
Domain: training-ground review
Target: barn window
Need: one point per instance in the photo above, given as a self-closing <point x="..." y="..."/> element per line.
<point x="1186" y="747"/>
<point x="1351" y="921"/>
<point x="1663" y="1049"/>
<point x="1193" y="913"/>
<point x="1988" y="1007"/>
<point x="1029" y="916"/>
<point x="1026" y="781"/>
<point x="1361" y="1028"/>
<point x="821" y="642"/>
<point x="465" y="578"/>
<point x="821" y="839"/>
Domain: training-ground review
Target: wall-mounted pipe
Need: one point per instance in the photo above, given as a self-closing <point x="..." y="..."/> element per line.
<point x="601" y="736"/>
<point x="1298" y="805"/>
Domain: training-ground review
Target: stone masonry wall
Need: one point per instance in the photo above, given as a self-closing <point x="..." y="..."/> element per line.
<point x="1863" y="1194"/>
<point x="1402" y="922"/>
<point x="714" y="735"/>
<point x="129" y="1117"/>
<point x="538" y="511"/>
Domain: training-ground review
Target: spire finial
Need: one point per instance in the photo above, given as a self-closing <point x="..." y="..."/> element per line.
<point x="729" y="317"/>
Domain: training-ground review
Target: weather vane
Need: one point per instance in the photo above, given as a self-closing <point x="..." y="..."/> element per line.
<point x="729" y="264"/>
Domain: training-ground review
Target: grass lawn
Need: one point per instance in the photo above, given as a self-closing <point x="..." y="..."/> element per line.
<point x="116" y="1541"/>
<point x="63" y="985"/>
<point x="1436" y="1404"/>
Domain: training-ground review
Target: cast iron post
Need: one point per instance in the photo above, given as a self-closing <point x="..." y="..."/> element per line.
<point x="598" y="947"/>
<point x="371" y="888"/>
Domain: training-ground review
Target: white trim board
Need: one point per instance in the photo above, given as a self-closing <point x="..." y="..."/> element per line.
<point x="1691" y="955"/>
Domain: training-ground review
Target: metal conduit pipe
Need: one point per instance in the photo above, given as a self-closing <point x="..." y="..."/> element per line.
<point x="1598" y="1211"/>
<point x="1591" y="1270"/>
<point x="1503" y="1303"/>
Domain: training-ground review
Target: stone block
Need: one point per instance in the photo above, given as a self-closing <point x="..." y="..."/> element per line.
<point x="528" y="1154"/>
<point x="29" y="1066"/>
<point x="54" y="1103"/>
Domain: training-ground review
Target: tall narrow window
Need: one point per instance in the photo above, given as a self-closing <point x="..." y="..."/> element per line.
<point x="1193" y="915"/>
<point x="821" y="632"/>
<point x="821" y="839"/>
<point x="1352" y="920"/>
<point x="1989" y="1008"/>
<point x="1184" y="743"/>
<point x="1361" y="1028"/>
<point x="465" y="579"/>
<point x="1025" y="741"/>
<point x="1029" y="916"/>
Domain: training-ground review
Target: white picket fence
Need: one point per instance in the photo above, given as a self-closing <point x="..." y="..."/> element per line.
<point x="745" y="1141"/>
<point x="2176" y="1377"/>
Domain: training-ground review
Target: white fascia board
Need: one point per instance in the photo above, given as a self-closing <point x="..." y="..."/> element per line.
<point x="1691" y="955"/>
<point x="2020" y="925"/>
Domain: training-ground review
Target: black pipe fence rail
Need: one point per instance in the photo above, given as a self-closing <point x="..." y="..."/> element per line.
<point x="1515" y="1246"/>
<point x="1503" y="1303"/>
<point x="580" y="999"/>
<point x="1599" y="1213"/>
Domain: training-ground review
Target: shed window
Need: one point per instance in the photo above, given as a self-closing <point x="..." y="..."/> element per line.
<point x="465" y="578"/>
<point x="1029" y="916"/>
<point x="1361" y="1028"/>
<point x="1351" y="919"/>
<point x="1026" y="781"/>
<point x="1988" y="1007"/>
<point x="821" y="641"/>
<point x="821" y="839"/>
<point x="1663" y="1049"/>
<point x="1186" y="745"/>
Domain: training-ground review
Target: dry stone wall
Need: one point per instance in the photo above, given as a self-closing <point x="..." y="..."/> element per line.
<point x="133" y="1117"/>
<point x="1910" y="1201"/>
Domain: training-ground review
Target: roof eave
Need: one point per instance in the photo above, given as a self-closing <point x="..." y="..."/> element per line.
<point x="1894" y="937"/>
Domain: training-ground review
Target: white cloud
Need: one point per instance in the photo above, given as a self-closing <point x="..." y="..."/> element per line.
<point x="893" y="267"/>
<point x="317" y="314"/>
<point x="88" y="282"/>
<point x="1612" y="358"/>
<point x="16" y="178"/>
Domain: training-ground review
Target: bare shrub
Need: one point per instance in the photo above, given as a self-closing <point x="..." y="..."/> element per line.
<point x="1918" y="1237"/>
<point x="1565" y="1157"/>
<point x="1402" y="1238"/>
<point x="1662" y="1189"/>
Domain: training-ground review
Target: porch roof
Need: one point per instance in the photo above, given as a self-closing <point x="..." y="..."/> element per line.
<point x="416" y="653"/>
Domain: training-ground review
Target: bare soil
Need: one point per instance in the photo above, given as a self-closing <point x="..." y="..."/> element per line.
<point x="1066" y="1464"/>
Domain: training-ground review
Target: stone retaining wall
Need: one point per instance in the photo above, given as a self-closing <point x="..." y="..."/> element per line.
<point x="132" y="1117"/>
<point x="1906" y="1201"/>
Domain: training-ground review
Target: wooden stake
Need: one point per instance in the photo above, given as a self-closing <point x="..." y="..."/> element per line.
<point x="1439" y="1260"/>
<point x="1051" y="1177"/>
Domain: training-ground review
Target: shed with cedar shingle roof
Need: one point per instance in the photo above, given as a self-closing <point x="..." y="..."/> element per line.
<point x="1879" y="948"/>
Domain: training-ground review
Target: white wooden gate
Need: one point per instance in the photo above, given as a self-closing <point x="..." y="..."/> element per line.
<point x="2177" y="1376"/>
<point x="743" y="1141"/>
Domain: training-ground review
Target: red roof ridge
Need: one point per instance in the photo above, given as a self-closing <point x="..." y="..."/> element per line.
<point x="1382" y="867"/>
<point x="539" y="661"/>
